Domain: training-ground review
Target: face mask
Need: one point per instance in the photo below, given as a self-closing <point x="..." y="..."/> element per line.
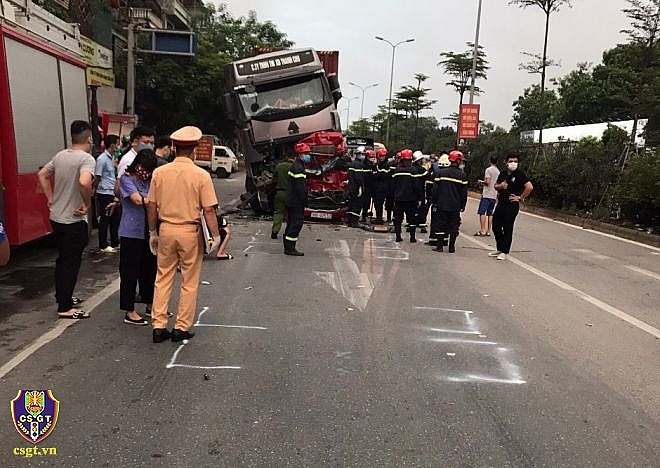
<point x="306" y="158"/>
<point x="461" y="166"/>
<point x="142" y="146"/>
<point x="512" y="166"/>
<point x="361" y="157"/>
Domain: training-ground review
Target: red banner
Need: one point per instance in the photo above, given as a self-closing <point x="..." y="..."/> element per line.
<point x="468" y="123"/>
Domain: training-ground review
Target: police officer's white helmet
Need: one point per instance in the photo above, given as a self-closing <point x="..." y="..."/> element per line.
<point x="360" y="150"/>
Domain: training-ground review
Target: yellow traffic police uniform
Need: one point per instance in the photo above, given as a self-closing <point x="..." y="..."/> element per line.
<point x="180" y="190"/>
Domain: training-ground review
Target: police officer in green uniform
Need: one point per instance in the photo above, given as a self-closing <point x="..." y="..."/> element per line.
<point x="281" y="181"/>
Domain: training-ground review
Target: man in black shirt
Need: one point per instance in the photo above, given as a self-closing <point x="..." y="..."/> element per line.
<point x="513" y="187"/>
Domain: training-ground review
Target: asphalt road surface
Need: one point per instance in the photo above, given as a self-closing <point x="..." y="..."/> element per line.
<point x="362" y="353"/>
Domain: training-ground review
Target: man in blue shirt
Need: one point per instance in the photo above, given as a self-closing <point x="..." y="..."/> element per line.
<point x="104" y="181"/>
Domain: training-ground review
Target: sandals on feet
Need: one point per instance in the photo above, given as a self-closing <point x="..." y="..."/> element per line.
<point x="77" y="315"/>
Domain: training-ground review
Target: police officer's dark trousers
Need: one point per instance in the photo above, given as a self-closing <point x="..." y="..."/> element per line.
<point x="504" y="218"/>
<point x="294" y="224"/>
<point x="408" y="208"/>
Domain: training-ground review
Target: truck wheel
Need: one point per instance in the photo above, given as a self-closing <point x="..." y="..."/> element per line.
<point x="221" y="173"/>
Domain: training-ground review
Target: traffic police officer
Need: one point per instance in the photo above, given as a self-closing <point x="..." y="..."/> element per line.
<point x="450" y="196"/>
<point x="281" y="181"/>
<point x="296" y="199"/>
<point x="180" y="192"/>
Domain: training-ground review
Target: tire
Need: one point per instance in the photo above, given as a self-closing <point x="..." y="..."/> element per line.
<point x="221" y="173"/>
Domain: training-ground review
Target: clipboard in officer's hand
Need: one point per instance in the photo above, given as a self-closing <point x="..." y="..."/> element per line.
<point x="208" y="238"/>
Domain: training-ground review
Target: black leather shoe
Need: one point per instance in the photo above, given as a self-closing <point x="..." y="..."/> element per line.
<point x="273" y="235"/>
<point x="180" y="335"/>
<point x="161" y="334"/>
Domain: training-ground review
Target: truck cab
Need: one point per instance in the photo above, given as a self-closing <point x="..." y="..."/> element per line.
<point x="275" y="100"/>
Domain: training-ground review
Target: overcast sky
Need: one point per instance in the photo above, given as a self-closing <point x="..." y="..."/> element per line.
<point x="578" y="34"/>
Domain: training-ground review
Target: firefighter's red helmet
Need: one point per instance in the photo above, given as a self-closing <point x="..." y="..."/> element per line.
<point x="380" y="152"/>
<point x="302" y="148"/>
<point x="406" y="154"/>
<point x="456" y="156"/>
<point x="370" y="153"/>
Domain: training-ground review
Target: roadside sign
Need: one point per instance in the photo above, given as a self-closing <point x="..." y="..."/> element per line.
<point x="468" y="126"/>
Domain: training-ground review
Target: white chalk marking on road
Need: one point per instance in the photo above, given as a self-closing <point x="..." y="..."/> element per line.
<point x="188" y="366"/>
<point x="172" y="363"/>
<point x="581" y="294"/>
<point x="601" y="257"/>
<point x="204" y="310"/>
<point x="475" y="378"/>
<point x="644" y="272"/>
<point x="604" y="234"/>
<point x="59" y="328"/>
<point x="393" y="254"/>
<point x="229" y="326"/>
<point x="176" y="353"/>
<point x="459" y="332"/>
<point x="442" y="309"/>
<point x="246" y="250"/>
<point x="461" y="341"/>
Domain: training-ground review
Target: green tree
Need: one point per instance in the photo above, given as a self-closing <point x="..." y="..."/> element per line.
<point x="533" y="108"/>
<point x="581" y="97"/>
<point x="458" y="66"/>
<point x="548" y="7"/>
<point x="175" y="91"/>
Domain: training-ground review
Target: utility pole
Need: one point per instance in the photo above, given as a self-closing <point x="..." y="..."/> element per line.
<point x="475" y="55"/>
<point x="136" y="16"/>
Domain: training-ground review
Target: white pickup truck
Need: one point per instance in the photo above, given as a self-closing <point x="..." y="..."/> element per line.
<point x="223" y="162"/>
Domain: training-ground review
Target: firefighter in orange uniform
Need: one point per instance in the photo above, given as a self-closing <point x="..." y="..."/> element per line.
<point x="180" y="192"/>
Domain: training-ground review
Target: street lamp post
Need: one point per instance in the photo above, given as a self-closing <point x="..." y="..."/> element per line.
<point x="348" y="111"/>
<point x="475" y="54"/>
<point x="389" y="101"/>
<point x="363" y="89"/>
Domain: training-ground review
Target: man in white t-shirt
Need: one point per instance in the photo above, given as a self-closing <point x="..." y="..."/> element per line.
<point x="141" y="138"/>
<point x="488" y="198"/>
<point x="69" y="199"/>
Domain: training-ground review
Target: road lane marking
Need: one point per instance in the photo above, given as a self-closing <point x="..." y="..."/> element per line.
<point x="581" y="294"/>
<point x="604" y="234"/>
<point x="461" y="341"/>
<point x="229" y="326"/>
<point x="442" y="309"/>
<point x="59" y="328"/>
<point x="476" y="378"/>
<point x="459" y="332"/>
<point x="644" y="272"/>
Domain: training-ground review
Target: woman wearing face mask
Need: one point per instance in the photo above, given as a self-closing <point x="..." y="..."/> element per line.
<point x="136" y="262"/>
<point x="513" y="187"/>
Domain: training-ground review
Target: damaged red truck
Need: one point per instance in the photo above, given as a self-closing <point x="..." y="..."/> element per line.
<point x="278" y="99"/>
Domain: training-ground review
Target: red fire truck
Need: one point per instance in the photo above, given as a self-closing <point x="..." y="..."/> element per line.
<point x="42" y="90"/>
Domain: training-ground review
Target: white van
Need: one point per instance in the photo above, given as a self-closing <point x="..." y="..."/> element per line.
<point x="223" y="162"/>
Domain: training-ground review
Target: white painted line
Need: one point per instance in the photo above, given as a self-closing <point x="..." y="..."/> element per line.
<point x="581" y="294"/>
<point x="442" y="309"/>
<point x="460" y="341"/>
<point x="644" y="272"/>
<point x="59" y="328"/>
<point x="475" y="378"/>
<point x="186" y="366"/>
<point x="229" y="326"/>
<point x="585" y="251"/>
<point x="460" y="332"/>
<point x="604" y="234"/>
